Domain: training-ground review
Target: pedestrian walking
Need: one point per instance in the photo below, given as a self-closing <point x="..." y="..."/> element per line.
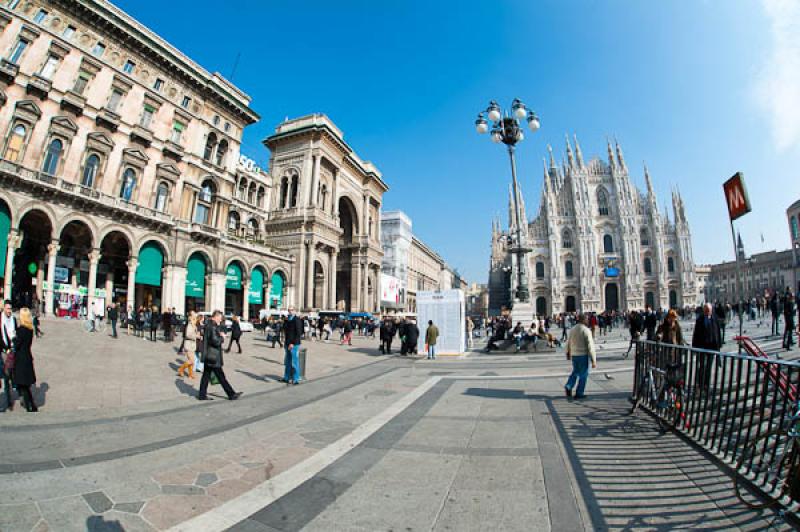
<point x="8" y="332"/>
<point x="212" y="359"/>
<point x="635" y="328"/>
<point x="189" y="345"/>
<point x="292" y="334"/>
<point x="431" y="336"/>
<point x="788" y="319"/>
<point x="236" y="334"/>
<point x="166" y="325"/>
<point x="347" y="333"/>
<point x="23" y="374"/>
<point x="277" y="327"/>
<point x="37" y="322"/>
<point x="581" y="351"/>
<point x="154" y="319"/>
<point x="650" y="323"/>
<point x="387" y="333"/>
<point x="721" y="313"/>
<point x="470" y="331"/>
<point x="113" y="315"/>
<point x="707" y="335"/>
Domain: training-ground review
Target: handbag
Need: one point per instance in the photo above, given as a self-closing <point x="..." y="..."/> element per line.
<point x="211" y="356"/>
<point x="10" y="361"/>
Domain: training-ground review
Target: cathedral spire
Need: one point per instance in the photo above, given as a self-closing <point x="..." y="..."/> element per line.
<point x="552" y="159"/>
<point x="648" y="182"/>
<point x="570" y="158"/>
<point x="611" y="161"/>
<point x="620" y="157"/>
<point x="578" y="153"/>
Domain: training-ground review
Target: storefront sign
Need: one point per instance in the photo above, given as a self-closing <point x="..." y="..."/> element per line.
<point x="233" y="277"/>
<point x="61" y="274"/>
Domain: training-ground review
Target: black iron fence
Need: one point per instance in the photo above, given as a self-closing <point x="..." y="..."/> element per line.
<point x="722" y="401"/>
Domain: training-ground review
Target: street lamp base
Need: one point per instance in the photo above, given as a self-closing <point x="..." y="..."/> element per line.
<point x="522" y="312"/>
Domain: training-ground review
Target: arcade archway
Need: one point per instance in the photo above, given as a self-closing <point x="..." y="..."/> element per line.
<point x="348" y="223"/>
<point x="29" y="269"/>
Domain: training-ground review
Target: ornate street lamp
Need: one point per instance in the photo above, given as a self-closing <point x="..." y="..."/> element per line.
<point x="507" y="129"/>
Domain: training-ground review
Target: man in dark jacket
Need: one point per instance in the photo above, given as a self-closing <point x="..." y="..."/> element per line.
<point x="8" y="332"/>
<point x="788" y="319"/>
<point x="166" y="324"/>
<point x="721" y="313"/>
<point x="236" y="334"/>
<point x="387" y="332"/>
<point x="650" y="323"/>
<point x="212" y="358"/>
<point x="706" y="336"/>
<point x="292" y="335"/>
<point x="113" y="315"/>
<point x="155" y="317"/>
<point x="412" y="337"/>
<point x="773" y="309"/>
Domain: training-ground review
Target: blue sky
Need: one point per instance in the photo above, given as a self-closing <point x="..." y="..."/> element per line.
<point x="697" y="90"/>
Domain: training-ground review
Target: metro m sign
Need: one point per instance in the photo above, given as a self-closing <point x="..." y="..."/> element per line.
<point x="736" y="196"/>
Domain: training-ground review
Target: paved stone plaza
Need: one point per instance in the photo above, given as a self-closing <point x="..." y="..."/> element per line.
<point x="369" y="443"/>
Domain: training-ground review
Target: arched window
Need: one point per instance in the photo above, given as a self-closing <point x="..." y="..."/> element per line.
<point x="211" y="143"/>
<point x="284" y="193"/>
<point x="648" y="265"/>
<point x="233" y="221"/>
<point x="52" y="157"/>
<point x="293" y="196"/>
<point x="608" y="244"/>
<point x="644" y="237"/>
<point x="162" y="195"/>
<point x="540" y="270"/>
<point x="602" y="202"/>
<point x="222" y="150"/>
<point x="252" y="227"/>
<point x="261" y="194"/>
<point x="242" y="189"/>
<point x="15" y="142"/>
<point x="251" y="194"/>
<point x="90" y="171"/>
<point x="568" y="269"/>
<point x="566" y="239"/>
<point x="202" y="213"/>
<point x="323" y="196"/>
<point x="670" y="265"/>
<point x="128" y="184"/>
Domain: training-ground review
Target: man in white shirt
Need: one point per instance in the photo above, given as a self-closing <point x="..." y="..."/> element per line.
<point x="581" y="350"/>
<point x="8" y="331"/>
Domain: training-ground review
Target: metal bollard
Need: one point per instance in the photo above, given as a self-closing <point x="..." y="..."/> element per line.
<point x="301" y="356"/>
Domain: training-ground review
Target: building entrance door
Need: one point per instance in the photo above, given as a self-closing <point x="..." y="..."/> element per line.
<point x="612" y="296"/>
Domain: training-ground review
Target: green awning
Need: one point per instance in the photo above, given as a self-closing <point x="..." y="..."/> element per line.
<point x="5" y="228"/>
<point x="196" y="276"/>
<point x="256" y="295"/>
<point x="276" y="290"/>
<point x="233" y="277"/>
<point x="151" y="260"/>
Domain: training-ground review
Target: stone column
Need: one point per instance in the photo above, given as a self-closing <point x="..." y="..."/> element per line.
<point x="178" y="289"/>
<point x="365" y="217"/>
<point x="109" y="288"/>
<point x="314" y="180"/>
<point x="166" y="287"/>
<point x="217" y="301"/>
<point x="14" y="241"/>
<point x="132" y="263"/>
<point x="332" y="281"/>
<point x="94" y="260"/>
<point x="299" y="278"/>
<point x="310" y="276"/>
<point x="52" y="253"/>
<point x="334" y="195"/>
<point x="365" y="288"/>
<point x="355" y="287"/>
<point x="246" y="301"/>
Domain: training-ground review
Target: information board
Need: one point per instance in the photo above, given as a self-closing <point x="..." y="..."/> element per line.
<point x="446" y="309"/>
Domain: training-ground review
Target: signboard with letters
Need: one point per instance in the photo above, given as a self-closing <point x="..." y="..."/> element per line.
<point x="736" y="196"/>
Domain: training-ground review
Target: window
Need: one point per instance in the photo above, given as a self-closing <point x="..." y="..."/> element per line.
<point x="216" y="120"/>
<point x="162" y="194"/>
<point x="17" y="51"/>
<point x="128" y="184"/>
<point x="566" y="239"/>
<point x="608" y="244"/>
<point x="186" y="101"/>
<point x="648" y="265"/>
<point x="261" y="193"/>
<point x="159" y="83"/>
<point x="602" y="202"/>
<point x="323" y="196"/>
<point x="670" y="265"/>
<point x="251" y="194"/>
<point x="147" y="116"/>
<point x="233" y="221"/>
<point x="49" y="67"/>
<point x="795" y="229"/>
<point x="15" y="143"/>
<point x="90" y="171"/>
<point x="99" y="49"/>
<point x="114" y="100"/>
<point x="177" y="132"/>
<point x="81" y="82"/>
<point x="252" y="227"/>
<point x="568" y="268"/>
<point x="202" y="213"/>
<point x="540" y="270"/>
<point x="52" y="156"/>
<point x="12" y="4"/>
<point x="211" y="143"/>
<point x="40" y="16"/>
<point x="284" y="192"/>
<point x="293" y="197"/>
<point x="227" y="127"/>
<point x="242" y="189"/>
<point x="644" y="238"/>
<point x="69" y="31"/>
<point x="222" y="149"/>
<point x="129" y="66"/>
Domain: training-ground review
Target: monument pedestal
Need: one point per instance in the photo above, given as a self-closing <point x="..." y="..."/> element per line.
<point x="522" y="313"/>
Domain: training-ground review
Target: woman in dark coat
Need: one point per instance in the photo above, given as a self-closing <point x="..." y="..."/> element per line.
<point x="236" y="334"/>
<point x="23" y="373"/>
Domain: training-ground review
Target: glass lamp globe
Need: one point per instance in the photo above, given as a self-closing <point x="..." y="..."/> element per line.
<point x="520" y="136"/>
<point x="493" y="111"/>
<point x="480" y="125"/>
<point x="496" y="136"/>
<point x="533" y="122"/>
<point x="518" y="109"/>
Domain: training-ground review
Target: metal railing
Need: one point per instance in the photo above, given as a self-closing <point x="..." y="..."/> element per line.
<point x="728" y="400"/>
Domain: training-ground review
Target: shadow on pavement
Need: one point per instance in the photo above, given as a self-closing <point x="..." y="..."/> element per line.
<point x="262" y="378"/>
<point x="97" y="523"/>
<point x="185" y="388"/>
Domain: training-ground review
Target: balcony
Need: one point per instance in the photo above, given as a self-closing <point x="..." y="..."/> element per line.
<point x="39" y="86"/>
<point x="142" y="136"/>
<point x="73" y="102"/>
<point x="173" y="150"/>
<point x="8" y="71"/>
<point x="204" y="233"/>
<point x="107" y="119"/>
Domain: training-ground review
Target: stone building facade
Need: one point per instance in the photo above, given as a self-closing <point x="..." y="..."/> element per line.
<point x="760" y="273"/>
<point x="119" y="172"/>
<point x="793" y="217"/>
<point x="597" y="242"/>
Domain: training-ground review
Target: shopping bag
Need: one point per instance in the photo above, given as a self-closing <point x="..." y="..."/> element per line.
<point x="214" y="379"/>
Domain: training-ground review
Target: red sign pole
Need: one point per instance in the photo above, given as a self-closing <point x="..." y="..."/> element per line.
<point x="738" y="205"/>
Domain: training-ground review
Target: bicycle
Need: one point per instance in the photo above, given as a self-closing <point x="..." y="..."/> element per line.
<point x="771" y="463"/>
<point x="667" y="397"/>
<point x="99" y="325"/>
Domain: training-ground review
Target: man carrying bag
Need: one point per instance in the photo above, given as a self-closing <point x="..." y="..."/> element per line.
<point x="212" y="359"/>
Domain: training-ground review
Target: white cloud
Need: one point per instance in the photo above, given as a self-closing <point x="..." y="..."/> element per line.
<point x="778" y="85"/>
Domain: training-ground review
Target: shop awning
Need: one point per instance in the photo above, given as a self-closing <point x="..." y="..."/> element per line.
<point x="256" y="295"/>
<point x="5" y="227"/>
<point x="151" y="260"/>
<point x="196" y="277"/>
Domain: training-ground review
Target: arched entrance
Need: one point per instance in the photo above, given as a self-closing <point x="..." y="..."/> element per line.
<point x="29" y="269"/>
<point x="277" y="290"/>
<point x="612" y="296"/>
<point x="541" y="306"/>
<point x="75" y="244"/>
<point x="673" y="299"/>
<point x="319" y="286"/>
<point x="234" y="288"/>
<point x="569" y="304"/>
<point x="348" y="218"/>
<point x="196" y="289"/>
<point x="112" y="272"/>
<point x="255" y="297"/>
<point x="650" y="300"/>
<point x="5" y="229"/>
<point x="149" y="278"/>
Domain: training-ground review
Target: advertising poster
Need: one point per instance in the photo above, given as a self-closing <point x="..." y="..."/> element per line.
<point x="446" y="309"/>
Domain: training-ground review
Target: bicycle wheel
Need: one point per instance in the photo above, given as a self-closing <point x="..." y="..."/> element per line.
<point x="764" y="462"/>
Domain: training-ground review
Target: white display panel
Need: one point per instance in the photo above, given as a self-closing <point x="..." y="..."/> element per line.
<point x="446" y="310"/>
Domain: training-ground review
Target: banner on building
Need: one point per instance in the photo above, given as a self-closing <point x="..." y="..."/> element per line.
<point x="390" y="289"/>
<point x="446" y="310"/>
